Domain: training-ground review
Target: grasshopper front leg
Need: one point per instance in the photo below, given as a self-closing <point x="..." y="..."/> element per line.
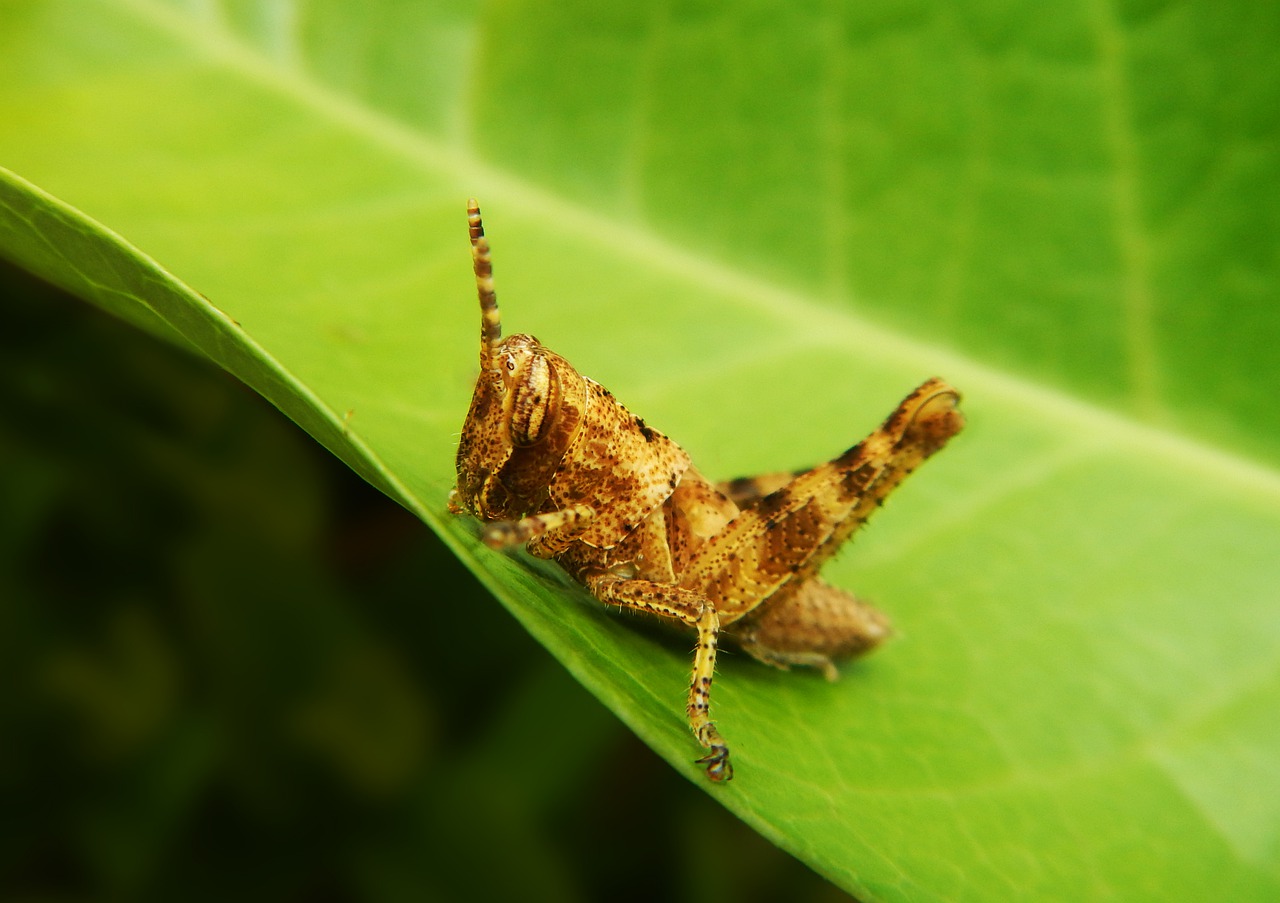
<point x="698" y="612"/>
<point x="547" y="533"/>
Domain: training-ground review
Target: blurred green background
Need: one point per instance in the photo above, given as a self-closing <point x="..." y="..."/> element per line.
<point x="232" y="669"/>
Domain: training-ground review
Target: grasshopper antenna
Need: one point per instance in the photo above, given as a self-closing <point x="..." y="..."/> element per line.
<point x="490" y="321"/>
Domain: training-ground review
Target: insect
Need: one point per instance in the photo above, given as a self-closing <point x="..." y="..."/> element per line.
<point x="551" y="459"/>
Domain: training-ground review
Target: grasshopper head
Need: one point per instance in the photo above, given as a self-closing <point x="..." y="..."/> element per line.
<point x="525" y="411"/>
<point x="519" y="426"/>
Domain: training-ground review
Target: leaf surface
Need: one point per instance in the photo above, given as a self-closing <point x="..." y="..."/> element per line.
<point x="1080" y="700"/>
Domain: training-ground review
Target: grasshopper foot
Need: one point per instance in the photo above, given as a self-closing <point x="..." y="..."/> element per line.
<point x="717" y="761"/>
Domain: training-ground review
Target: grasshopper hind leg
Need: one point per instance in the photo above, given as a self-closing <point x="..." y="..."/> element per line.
<point x="747" y="491"/>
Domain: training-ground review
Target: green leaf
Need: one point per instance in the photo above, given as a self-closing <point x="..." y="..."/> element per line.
<point x="761" y="226"/>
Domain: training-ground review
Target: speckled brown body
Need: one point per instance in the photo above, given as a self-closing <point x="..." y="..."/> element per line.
<point x="552" y="459"/>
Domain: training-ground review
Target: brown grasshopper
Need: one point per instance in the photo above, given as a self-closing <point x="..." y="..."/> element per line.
<point x="550" y="458"/>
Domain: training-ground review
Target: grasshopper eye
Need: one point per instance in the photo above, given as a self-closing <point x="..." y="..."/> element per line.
<point x="536" y="402"/>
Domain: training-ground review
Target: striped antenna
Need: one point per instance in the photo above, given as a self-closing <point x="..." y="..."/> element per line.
<point x="490" y="322"/>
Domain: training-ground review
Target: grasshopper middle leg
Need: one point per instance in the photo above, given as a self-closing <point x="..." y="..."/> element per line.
<point x="696" y="611"/>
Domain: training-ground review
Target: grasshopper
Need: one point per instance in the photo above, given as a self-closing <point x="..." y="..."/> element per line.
<point x="551" y="459"/>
